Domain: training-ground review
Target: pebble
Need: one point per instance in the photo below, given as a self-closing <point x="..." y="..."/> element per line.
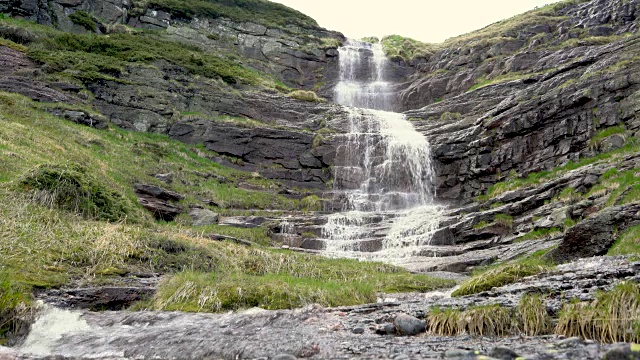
<point x="358" y="330"/>
<point x="458" y="353"/>
<point x="386" y="329"/>
<point x="570" y="342"/>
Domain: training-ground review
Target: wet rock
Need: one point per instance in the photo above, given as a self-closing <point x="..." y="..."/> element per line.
<point x="99" y="298"/>
<point x="284" y="357"/>
<point x="166" y="178"/>
<point x="458" y="354"/>
<point x="409" y="325"/>
<point x="570" y="342"/>
<point x="248" y="222"/>
<point x="358" y="330"/>
<point x="623" y="352"/>
<point x="386" y="329"/>
<point x="203" y="217"/>
<point x="503" y="353"/>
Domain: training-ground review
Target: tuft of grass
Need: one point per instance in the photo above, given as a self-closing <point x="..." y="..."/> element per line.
<point x="628" y="243"/>
<point x="84" y="19"/>
<point x="540" y="234"/>
<point x="488" y="320"/>
<point x="501" y="275"/>
<point x="312" y="203"/>
<point x="569" y="196"/>
<point x="613" y="316"/>
<point x="15" y="302"/>
<point x="449" y="116"/>
<point x="72" y="188"/>
<point x="533" y="316"/>
<point x="444" y="321"/>
<point x="398" y="47"/>
<point x="306" y="95"/>
<point x="504" y="220"/>
<point x="605" y="133"/>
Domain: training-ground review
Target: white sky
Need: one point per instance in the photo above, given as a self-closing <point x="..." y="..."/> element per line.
<point x="425" y="20"/>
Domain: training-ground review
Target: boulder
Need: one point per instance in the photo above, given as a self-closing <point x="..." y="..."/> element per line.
<point x="595" y="235"/>
<point x="409" y="325"/>
<point x="156" y="200"/>
<point x="203" y="217"/>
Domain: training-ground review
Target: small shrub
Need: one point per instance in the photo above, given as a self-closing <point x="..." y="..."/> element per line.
<point x="84" y="19"/>
<point x="70" y="187"/>
<point x="306" y="95"/>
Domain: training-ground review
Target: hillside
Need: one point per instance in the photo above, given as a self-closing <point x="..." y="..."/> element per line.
<point x="173" y="155"/>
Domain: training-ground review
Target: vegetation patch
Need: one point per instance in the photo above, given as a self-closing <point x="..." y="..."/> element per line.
<point x="70" y="187"/>
<point x="84" y="19"/>
<point x="627" y="244"/>
<point x="277" y="280"/>
<point x="502" y="275"/>
<point x="257" y="11"/>
<point x="306" y="95"/>
<point x="15" y="302"/>
<point x="533" y="316"/>
<point x="397" y="47"/>
<point x="613" y="316"/>
<point x="605" y="133"/>
<point x="89" y="57"/>
<point x="540" y="234"/>
<point x="544" y="176"/>
<point x="488" y="320"/>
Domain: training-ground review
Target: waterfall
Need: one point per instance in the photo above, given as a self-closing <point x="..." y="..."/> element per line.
<point x="383" y="172"/>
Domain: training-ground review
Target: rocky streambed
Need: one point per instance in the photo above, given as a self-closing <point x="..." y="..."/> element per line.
<point x="394" y="328"/>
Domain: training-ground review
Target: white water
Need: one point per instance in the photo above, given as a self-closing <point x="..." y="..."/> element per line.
<point x="384" y="171"/>
<point x="52" y="325"/>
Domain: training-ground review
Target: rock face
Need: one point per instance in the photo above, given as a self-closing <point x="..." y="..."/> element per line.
<point x="158" y="201"/>
<point x="300" y="56"/>
<point x="531" y="46"/>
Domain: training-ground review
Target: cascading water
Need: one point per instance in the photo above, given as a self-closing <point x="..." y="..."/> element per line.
<point x="383" y="171"/>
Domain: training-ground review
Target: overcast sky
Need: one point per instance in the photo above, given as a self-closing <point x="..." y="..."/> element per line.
<point x="425" y="20"/>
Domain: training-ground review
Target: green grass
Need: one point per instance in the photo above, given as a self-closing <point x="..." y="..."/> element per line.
<point x="605" y="133"/>
<point x="619" y="187"/>
<point x="306" y="95"/>
<point x="544" y="176"/>
<point x="398" y="47"/>
<point x="539" y="234"/>
<point x="628" y="243"/>
<point x="279" y="280"/>
<point x="504" y="274"/>
<point x="533" y="315"/>
<point x="84" y="19"/>
<point x="120" y="159"/>
<point x="15" y="301"/>
<point x="612" y="317"/>
<point x="89" y="57"/>
<point x="256" y="11"/>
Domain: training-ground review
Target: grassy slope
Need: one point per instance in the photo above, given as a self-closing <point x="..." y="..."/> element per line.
<point x="45" y="246"/>
<point x="400" y="47"/>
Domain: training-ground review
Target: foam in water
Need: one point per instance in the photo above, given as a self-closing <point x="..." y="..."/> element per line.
<point x="383" y="173"/>
<point x="52" y="325"/>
